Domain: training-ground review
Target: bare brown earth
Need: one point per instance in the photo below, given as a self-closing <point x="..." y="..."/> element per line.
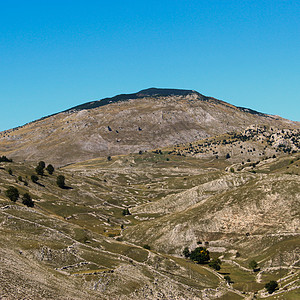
<point x="149" y="121"/>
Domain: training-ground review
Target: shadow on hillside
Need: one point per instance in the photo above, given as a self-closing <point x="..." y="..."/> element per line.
<point x="67" y="188"/>
<point x="223" y="273"/>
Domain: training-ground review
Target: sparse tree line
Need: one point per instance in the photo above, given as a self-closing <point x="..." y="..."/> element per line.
<point x="201" y="255"/>
<point x="3" y="158"/>
<point x="13" y="193"/>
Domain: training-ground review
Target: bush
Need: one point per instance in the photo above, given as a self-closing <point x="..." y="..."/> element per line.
<point x="126" y="212"/>
<point x="215" y="264"/>
<point x="34" y="178"/>
<point x="26" y="200"/>
<point x="12" y="193"/>
<point x="60" y="181"/>
<point x="50" y="169"/>
<point x="271" y="286"/>
<point x="42" y="164"/>
<point x="186" y="252"/>
<point x="146" y="246"/>
<point x="200" y="255"/>
<point x="39" y="170"/>
<point x="10" y="172"/>
<point x="5" y="159"/>
<point x="227" y="278"/>
<point x="20" y="178"/>
<point x="253" y="265"/>
<point x="227" y="156"/>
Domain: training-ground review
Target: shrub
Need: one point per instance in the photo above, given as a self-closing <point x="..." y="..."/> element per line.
<point x="186" y="252"/>
<point x="50" y="169"/>
<point x="34" y="178"/>
<point x="20" y="178"/>
<point x="26" y="200"/>
<point x="126" y="212"/>
<point x="227" y="278"/>
<point x="12" y="193"/>
<point x="253" y="265"/>
<point x="60" y="181"/>
<point x="10" y="172"/>
<point x="146" y="246"/>
<point x="39" y="170"/>
<point x="42" y="164"/>
<point x="215" y="264"/>
<point x="5" y="159"/>
<point x="200" y="255"/>
<point x="271" y="286"/>
<point x="227" y="156"/>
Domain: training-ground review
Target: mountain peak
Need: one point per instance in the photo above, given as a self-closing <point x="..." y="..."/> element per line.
<point x="151" y="92"/>
<point x="165" y="92"/>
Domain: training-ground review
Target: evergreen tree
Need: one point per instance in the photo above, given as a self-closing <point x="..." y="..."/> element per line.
<point x="215" y="264"/>
<point x="271" y="286"/>
<point x="34" y="178"/>
<point x="12" y="193"/>
<point x="200" y="255"/>
<point x="60" y="181"/>
<point x="253" y="265"/>
<point x="26" y="200"/>
<point x="50" y="169"/>
<point x="186" y="252"/>
<point x="39" y="170"/>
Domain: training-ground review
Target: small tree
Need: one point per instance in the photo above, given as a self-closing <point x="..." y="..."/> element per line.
<point x="109" y="158"/>
<point x="12" y="193"/>
<point x="227" y="156"/>
<point x="126" y="212"/>
<point x="3" y="158"/>
<point x="271" y="286"/>
<point x="146" y="246"/>
<point x="26" y="200"/>
<point x="253" y="265"/>
<point x="39" y="170"/>
<point x="34" y="178"/>
<point x="186" y="252"/>
<point x="215" y="264"/>
<point x="227" y="278"/>
<point x="200" y="255"/>
<point x="10" y="172"/>
<point x="50" y="169"/>
<point x="60" y="181"/>
<point x="42" y="164"/>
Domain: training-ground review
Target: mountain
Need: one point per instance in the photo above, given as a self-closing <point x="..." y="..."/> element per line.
<point x="123" y="226"/>
<point x="119" y="228"/>
<point x="127" y="123"/>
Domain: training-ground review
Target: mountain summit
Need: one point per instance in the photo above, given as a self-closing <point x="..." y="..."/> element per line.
<point x="151" y="92"/>
<point x="127" y="123"/>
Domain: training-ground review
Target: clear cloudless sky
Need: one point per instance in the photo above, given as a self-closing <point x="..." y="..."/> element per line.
<point x="58" y="54"/>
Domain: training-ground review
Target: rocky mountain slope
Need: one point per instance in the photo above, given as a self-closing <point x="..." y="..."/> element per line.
<point x="125" y="124"/>
<point x="119" y="228"/>
<point x="169" y="170"/>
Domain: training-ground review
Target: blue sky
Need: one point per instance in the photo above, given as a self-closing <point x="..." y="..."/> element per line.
<point x="58" y="54"/>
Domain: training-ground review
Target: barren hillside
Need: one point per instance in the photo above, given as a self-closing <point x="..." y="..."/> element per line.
<point x="125" y="124"/>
